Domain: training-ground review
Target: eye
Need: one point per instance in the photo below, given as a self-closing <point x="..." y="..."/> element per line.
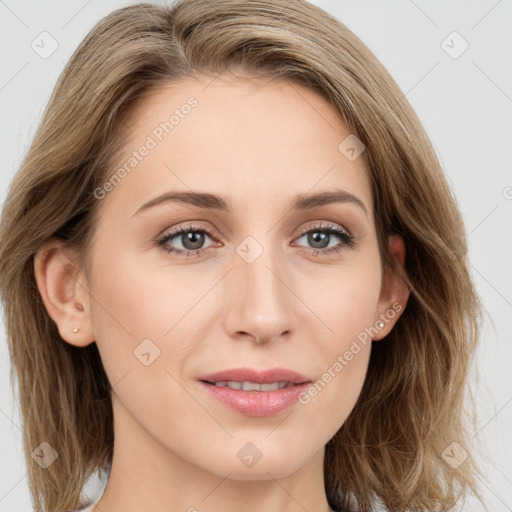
<point x="321" y="236"/>
<point x="191" y="237"/>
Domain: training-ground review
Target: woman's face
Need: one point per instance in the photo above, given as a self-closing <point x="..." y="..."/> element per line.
<point x="259" y="280"/>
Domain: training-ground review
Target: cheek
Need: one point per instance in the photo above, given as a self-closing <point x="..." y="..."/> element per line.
<point x="126" y="310"/>
<point x="349" y="301"/>
<point x="349" y="310"/>
<point x="344" y="362"/>
<point x="133" y="299"/>
<point x="142" y="309"/>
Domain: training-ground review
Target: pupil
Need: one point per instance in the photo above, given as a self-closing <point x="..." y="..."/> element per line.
<point x="322" y="238"/>
<point x="195" y="238"/>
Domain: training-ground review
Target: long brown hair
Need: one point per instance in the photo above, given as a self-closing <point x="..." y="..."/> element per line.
<point x="392" y="449"/>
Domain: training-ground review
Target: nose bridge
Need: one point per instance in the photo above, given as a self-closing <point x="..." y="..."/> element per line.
<point x="257" y="266"/>
<point x="259" y="300"/>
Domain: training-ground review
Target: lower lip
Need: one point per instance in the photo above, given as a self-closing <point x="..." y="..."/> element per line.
<point x="256" y="403"/>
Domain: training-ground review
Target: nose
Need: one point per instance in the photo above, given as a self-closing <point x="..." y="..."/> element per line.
<point x="260" y="299"/>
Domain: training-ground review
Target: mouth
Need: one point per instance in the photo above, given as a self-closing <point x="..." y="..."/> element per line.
<point x="251" y="378"/>
<point x="252" y="386"/>
<point x="256" y="393"/>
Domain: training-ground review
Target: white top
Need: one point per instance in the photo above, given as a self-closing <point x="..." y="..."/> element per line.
<point x="88" y="509"/>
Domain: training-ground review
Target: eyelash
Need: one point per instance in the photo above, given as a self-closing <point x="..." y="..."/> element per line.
<point x="347" y="240"/>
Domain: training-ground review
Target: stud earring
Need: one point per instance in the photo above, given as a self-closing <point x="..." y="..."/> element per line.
<point x="76" y="329"/>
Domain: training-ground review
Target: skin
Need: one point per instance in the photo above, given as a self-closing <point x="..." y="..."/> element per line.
<point x="260" y="145"/>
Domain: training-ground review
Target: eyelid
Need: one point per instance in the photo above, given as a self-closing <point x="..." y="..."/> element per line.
<point x="188" y="225"/>
<point x="324" y="224"/>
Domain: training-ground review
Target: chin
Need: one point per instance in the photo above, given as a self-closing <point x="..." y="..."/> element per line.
<point x="260" y="472"/>
<point x="269" y="462"/>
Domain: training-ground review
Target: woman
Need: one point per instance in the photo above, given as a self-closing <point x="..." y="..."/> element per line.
<point x="313" y="352"/>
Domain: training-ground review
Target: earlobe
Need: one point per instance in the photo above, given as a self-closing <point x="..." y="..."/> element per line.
<point x="64" y="295"/>
<point x="394" y="293"/>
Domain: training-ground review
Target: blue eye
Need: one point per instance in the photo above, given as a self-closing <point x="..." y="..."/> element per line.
<point x="192" y="239"/>
<point x="190" y="235"/>
<point x="322" y="235"/>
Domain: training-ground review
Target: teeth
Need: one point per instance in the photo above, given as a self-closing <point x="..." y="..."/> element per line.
<point x="249" y="386"/>
<point x="253" y="386"/>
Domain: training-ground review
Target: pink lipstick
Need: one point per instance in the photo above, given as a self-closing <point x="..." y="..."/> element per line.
<point x="253" y="392"/>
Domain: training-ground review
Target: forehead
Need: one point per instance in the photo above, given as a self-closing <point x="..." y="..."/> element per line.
<point x="267" y="139"/>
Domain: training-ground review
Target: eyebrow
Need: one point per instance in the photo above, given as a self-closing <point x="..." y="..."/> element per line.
<point x="222" y="203"/>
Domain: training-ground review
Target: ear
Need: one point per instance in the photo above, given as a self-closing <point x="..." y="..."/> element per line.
<point x="394" y="292"/>
<point x="64" y="292"/>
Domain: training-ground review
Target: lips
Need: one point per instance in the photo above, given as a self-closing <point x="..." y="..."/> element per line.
<point x="256" y="376"/>
<point x="255" y="402"/>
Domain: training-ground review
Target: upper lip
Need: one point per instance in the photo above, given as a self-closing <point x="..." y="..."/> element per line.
<point x="256" y="376"/>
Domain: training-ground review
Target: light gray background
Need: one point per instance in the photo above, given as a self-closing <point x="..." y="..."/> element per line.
<point x="465" y="104"/>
